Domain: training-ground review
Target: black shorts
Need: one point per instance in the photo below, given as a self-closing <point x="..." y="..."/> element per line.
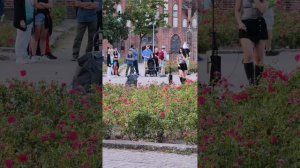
<point x="182" y="67"/>
<point x="256" y="30"/>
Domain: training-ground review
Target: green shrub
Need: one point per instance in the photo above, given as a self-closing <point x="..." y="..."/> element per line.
<point x="154" y="112"/>
<point x="46" y="126"/>
<point x="257" y="127"/>
<point x="58" y="14"/>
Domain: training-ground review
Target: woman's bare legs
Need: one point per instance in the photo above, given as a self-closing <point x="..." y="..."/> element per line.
<point x="259" y="51"/>
<point x="43" y="38"/>
<point x="248" y="49"/>
<point x="35" y="39"/>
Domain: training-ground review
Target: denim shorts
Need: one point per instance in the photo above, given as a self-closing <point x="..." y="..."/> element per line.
<point x="39" y="19"/>
<point x="162" y="64"/>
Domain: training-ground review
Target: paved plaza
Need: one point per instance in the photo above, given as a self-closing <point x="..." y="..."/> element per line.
<point x="116" y="158"/>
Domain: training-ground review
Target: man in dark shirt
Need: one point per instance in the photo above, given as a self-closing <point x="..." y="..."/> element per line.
<point x="87" y="19"/>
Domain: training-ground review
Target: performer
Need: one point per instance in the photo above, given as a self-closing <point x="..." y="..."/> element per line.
<point x="253" y="35"/>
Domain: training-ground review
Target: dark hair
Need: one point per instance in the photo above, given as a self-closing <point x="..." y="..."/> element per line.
<point x="183" y="52"/>
<point x="132" y="46"/>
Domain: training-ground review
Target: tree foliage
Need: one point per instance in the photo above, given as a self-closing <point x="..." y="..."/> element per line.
<point x="114" y="24"/>
<point x="142" y="14"/>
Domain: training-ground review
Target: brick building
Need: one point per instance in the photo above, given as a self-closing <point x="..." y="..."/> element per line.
<point x="183" y="26"/>
<point x="229" y="4"/>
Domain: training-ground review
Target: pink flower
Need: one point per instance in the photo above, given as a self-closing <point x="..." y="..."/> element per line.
<point x="77" y="145"/>
<point x="72" y="136"/>
<point x="241" y="97"/>
<point x="274" y="140"/>
<point x="72" y="116"/>
<point x="297" y="57"/>
<point x="202" y="148"/>
<point x="70" y="155"/>
<point x="201" y="101"/>
<point x="9" y="163"/>
<point x="91" y="151"/>
<point x="23" y="158"/>
<point x="23" y="73"/>
<point x="162" y="115"/>
<point x="11" y="120"/>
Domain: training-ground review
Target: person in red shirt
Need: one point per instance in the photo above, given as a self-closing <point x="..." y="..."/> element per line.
<point x="162" y="61"/>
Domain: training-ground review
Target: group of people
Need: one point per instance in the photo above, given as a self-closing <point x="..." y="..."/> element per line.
<point x="34" y="26"/>
<point x="33" y="22"/>
<point x="112" y="62"/>
<point x="160" y="58"/>
<point x="255" y="20"/>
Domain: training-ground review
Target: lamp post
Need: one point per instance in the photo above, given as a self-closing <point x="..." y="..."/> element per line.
<point x="215" y="59"/>
<point x="129" y="25"/>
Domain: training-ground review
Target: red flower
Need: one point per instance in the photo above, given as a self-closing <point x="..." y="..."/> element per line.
<point x="11" y="120"/>
<point x="77" y="145"/>
<point x="274" y="140"/>
<point x="201" y="101"/>
<point x="297" y="57"/>
<point x="72" y="136"/>
<point x="271" y="89"/>
<point x="162" y="115"/>
<point x="52" y="136"/>
<point x="23" y="158"/>
<point x="72" y="116"/>
<point x="23" y="73"/>
<point x="202" y="147"/>
<point x="91" y="151"/>
<point x="205" y="12"/>
<point x="70" y="155"/>
<point x="250" y="143"/>
<point x="9" y="163"/>
<point x="241" y="97"/>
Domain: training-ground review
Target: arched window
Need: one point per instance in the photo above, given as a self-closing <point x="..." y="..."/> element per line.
<point x="166" y="11"/>
<point x="184" y="23"/>
<point x="119" y="8"/>
<point x="175" y="15"/>
<point x="175" y="44"/>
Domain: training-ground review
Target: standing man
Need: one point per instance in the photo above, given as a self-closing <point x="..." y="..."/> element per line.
<point x="269" y="17"/>
<point x="162" y="61"/>
<point x="135" y="59"/>
<point x="86" y="19"/>
<point x="146" y="54"/>
<point x="23" y="22"/>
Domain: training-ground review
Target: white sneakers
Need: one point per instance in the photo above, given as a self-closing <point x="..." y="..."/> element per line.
<point x="40" y="58"/>
<point x="34" y="59"/>
<point x="25" y="61"/>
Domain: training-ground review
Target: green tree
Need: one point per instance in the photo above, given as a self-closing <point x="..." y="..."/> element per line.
<point x="114" y="23"/>
<point x="143" y="14"/>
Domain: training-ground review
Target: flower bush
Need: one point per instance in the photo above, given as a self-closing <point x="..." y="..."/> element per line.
<point x="257" y="127"/>
<point x="160" y="113"/>
<point x="7" y="39"/>
<point x="47" y="126"/>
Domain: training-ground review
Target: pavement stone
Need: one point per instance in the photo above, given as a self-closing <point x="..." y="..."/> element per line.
<point x="150" y="146"/>
<point x="116" y="158"/>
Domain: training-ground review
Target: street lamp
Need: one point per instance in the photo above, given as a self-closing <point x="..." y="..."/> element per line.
<point x="129" y="25"/>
